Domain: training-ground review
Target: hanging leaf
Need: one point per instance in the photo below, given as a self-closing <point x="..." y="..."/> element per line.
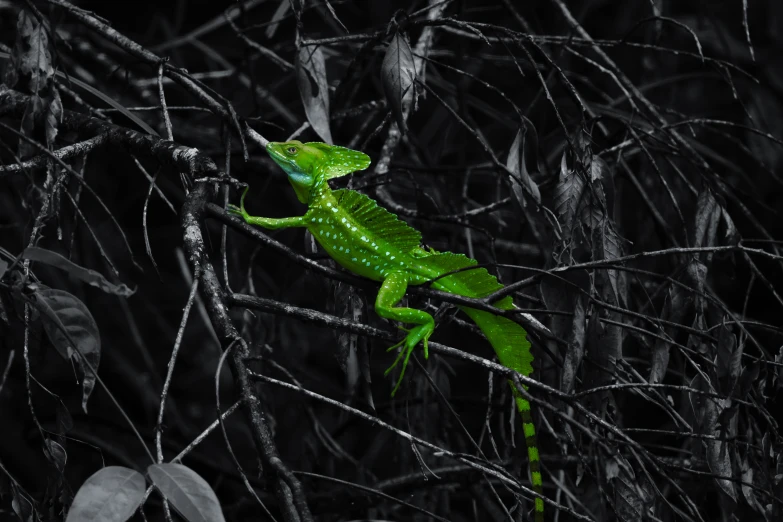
<point x="576" y="337"/>
<point x="31" y="70"/>
<point x="64" y="419"/>
<point x="705" y="221"/>
<point x="190" y="494"/>
<point x="714" y="419"/>
<point x="567" y="195"/>
<point x="314" y="89"/>
<point x="604" y="348"/>
<point x="747" y="488"/>
<point x="562" y="296"/>
<point x="677" y="304"/>
<point x="111" y="494"/>
<point x="91" y="277"/>
<point x="718" y="450"/>
<point x="56" y="454"/>
<point x="21" y="505"/>
<point x="67" y="322"/>
<point x="628" y="495"/>
<point x="31" y="58"/>
<point x="606" y="245"/>
<point x="730" y="235"/>
<point x="726" y="359"/>
<point x="398" y="74"/>
<point x="516" y="163"/>
<point x="53" y="115"/>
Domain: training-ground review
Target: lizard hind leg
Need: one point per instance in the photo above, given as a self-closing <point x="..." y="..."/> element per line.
<point x="391" y="292"/>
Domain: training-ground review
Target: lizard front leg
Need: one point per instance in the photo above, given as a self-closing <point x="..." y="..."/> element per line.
<point x="391" y="292"/>
<point x="270" y="223"/>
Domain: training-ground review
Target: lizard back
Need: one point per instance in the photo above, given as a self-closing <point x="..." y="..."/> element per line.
<point x="365" y="238"/>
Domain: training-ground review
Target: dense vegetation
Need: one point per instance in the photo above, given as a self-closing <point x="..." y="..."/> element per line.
<point x="619" y="163"/>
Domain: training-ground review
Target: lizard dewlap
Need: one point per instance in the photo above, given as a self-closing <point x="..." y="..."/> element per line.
<point x="372" y="242"/>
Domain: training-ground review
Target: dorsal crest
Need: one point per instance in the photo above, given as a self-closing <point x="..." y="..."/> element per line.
<point x="383" y="224"/>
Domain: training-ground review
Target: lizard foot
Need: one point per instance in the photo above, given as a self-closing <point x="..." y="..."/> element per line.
<point x="417" y="334"/>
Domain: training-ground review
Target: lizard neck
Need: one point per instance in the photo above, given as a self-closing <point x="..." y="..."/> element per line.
<point x="321" y="195"/>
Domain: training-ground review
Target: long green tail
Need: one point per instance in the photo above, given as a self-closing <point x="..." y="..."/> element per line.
<point x="507" y="338"/>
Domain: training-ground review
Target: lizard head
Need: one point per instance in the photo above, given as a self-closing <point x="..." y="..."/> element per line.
<point x="309" y="165"/>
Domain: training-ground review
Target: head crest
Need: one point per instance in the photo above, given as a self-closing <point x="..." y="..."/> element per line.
<point x="338" y="161"/>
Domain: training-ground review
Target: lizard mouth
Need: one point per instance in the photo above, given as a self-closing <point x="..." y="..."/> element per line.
<point x="273" y="149"/>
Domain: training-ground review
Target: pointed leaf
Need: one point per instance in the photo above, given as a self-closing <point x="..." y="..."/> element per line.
<point x="718" y="453"/>
<point x="398" y="73"/>
<point x="91" y="277"/>
<point x="567" y="195"/>
<point x="516" y="163"/>
<point x="31" y="67"/>
<point x="606" y="245"/>
<point x="731" y="235"/>
<point x="561" y="296"/>
<point x="728" y="357"/>
<point x="628" y="495"/>
<point x="53" y="115"/>
<point x="56" y="454"/>
<point x="31" y="56"/>
<point x="21" y="505"/>
<point x="576" y="337"/>
<point x="598" y="168"/>
<point x="190" y="494"/>
<point x="314" y="89"/>
<point x="705" y="222"/>
<point x="604" y="346"/>
<point x="64" y="419"/>
<point x="677" y="303"/>
<point x="111" y="494"/>
<point x="68" y="322"/>
<point x="747" y="489"/>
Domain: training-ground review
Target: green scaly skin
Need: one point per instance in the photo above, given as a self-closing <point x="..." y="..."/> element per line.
<point x="373" y="243"/>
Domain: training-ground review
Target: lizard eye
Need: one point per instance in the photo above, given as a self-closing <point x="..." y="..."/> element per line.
<point x="291" y="150"/>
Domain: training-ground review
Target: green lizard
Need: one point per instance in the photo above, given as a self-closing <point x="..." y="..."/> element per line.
<point x="373" y="243"/>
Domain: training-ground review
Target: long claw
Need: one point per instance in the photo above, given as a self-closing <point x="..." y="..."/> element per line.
<point x="408" y="352"/>
<point x="418" y="334"/>
<point x="390" y="348"/>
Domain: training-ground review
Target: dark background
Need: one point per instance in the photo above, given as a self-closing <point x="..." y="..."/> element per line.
<point x="653" y="195"/>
